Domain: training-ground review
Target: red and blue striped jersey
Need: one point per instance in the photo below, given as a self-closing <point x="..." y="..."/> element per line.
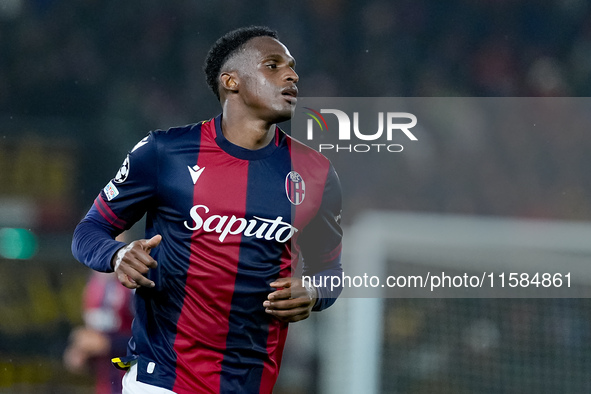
<point x="232" y="221"/>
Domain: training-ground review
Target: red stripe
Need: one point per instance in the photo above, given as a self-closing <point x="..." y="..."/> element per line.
<point x="203" y="322"/>
<point x="275" y="346"/>
<point x="107" y="213"/>
<point x="313" y="168"/>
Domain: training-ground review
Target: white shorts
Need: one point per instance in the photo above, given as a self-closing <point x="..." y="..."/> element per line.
<point x="132" y="386"/>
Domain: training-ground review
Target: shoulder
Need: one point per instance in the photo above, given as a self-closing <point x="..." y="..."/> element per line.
<point x="177" y="132"/>
<point x="303" y="154"/>
<point x="162" y="141"/>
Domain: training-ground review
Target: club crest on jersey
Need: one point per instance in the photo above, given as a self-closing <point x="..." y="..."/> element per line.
<point x="123" y="171"/>
<point x="295" y="188"/>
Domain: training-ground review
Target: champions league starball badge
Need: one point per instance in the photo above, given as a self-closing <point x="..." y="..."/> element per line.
<point x="123" y="171"/>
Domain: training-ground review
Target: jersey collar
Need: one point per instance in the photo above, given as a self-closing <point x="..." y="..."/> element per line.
<point x="240" y="152"/>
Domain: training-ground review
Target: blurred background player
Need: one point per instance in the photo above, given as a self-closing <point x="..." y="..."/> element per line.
<point x="107" y="314"/>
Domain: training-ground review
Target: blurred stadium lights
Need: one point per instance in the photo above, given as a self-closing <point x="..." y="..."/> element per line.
<point x="16" y="215"/>
<point x="17" y="243"/>
<point x="17" y="212"/>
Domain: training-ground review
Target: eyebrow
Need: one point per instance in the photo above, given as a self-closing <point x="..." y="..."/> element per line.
<point x="277" y="56"/>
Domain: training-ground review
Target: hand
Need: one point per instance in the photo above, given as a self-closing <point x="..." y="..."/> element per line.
<point x="292" y="302"/>
<point x="85" y="343"/>
<point x="132" y="262"/>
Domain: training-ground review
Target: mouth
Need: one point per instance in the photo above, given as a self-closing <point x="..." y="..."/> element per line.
<point x="291" y="93"/>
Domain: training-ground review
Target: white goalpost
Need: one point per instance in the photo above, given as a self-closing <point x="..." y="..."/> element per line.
<point x="351" y="331"/>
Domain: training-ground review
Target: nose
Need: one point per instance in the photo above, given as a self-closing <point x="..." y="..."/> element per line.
<point x="292" y="76"/>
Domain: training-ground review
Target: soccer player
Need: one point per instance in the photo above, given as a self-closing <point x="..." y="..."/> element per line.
<point x="232" y="204"/>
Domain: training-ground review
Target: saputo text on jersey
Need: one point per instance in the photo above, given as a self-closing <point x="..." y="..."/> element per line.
<point x="258" y="227"/>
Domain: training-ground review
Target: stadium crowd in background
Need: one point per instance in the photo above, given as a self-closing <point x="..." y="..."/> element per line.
<point x="127" y="68"/>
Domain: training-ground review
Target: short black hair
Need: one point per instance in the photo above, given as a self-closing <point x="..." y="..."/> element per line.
<point x="225" y="46"/>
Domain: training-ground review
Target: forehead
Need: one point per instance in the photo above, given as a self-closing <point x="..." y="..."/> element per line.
<point x="265" y="46"/>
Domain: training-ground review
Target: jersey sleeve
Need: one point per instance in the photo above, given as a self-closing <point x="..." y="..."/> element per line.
<point x="321" y="243"/>
<point x="121" y="203"/>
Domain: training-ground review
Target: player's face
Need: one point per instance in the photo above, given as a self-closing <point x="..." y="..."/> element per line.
<point x="268" y="80"/>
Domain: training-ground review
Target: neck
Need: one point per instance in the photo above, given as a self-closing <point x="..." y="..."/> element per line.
<point x="246" y="131"/>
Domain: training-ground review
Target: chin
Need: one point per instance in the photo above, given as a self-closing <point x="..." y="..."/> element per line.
<point x="284" y="118"/>
<point x="282" y="115"/>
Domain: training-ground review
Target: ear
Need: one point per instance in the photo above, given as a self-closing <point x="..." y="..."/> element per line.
<point x="229" y="81"/>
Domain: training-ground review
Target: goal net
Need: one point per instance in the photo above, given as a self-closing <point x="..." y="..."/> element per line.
<point x="515" y="340"/>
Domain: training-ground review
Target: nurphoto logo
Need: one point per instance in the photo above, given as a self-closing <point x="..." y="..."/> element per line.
<point x="389" y="123"/>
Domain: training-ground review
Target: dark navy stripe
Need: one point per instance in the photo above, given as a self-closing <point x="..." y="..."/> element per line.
<point x="165" y="301"/>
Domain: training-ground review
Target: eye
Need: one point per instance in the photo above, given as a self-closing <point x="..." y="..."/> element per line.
<point x="272" y="65"/>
